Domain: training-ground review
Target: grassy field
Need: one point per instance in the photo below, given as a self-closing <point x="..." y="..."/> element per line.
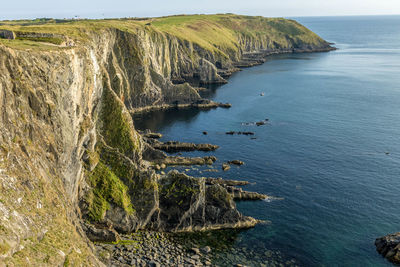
<point x="214" y="32"/>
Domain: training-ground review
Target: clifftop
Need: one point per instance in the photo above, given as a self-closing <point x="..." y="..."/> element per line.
<point x="72" y="165"/>
<point x="218" y="33"/>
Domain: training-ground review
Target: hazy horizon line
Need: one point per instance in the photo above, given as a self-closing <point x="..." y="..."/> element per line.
<point x="78" y="17"/>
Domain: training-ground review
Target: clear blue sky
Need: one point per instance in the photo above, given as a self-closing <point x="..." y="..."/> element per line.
<point x="16" y="9"/>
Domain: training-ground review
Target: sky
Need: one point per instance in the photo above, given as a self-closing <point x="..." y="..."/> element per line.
<point x="20" y="9"/>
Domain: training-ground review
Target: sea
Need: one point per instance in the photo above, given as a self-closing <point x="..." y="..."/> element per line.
<point x="329" y="155"/>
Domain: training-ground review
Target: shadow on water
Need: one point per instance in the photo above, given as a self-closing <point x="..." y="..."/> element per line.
<point x="210" y="92"/>
<point x="158" y="119"/>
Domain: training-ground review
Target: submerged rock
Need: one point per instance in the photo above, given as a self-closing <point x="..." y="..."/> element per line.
<point x="236" y="162"/>
<point x="225" y="167"/>
<point x="239" y="133"/>
<point x="389" y="247"/>
<point x="225" y="105"/>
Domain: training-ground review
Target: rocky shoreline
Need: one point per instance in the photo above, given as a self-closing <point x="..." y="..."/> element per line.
<point x="176" y="146"/>
<point x="148" y="248"/>
<point x="203" y="104"/>
<point x="154" y="249"/>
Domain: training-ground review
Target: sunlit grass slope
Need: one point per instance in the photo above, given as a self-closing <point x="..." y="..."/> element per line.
<point x="217" y="33"/>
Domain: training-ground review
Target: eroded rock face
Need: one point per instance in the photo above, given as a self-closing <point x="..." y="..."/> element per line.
<point x="44" y="102"/>
<point x="188" y="204"/>
<point x="209" y="73"/>
<point x="389" y="247"/>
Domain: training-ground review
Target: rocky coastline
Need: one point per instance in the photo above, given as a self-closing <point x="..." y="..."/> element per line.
<point x="154" y="249"/>
<point x="71" y="157"/>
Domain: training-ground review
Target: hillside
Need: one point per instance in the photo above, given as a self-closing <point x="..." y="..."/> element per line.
<point x="73" y="169"/>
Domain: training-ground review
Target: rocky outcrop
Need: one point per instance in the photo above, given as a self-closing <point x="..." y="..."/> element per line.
<point x="148" y="134"/>
<point x="99" y="233"/>
<point x="221" y="181"/>
<point x="236" y="193"/>
<point x="184" y="161"/>
<point x="176" y="146"/>
<point x="389" y="247"/>
<point x="240" y="194"/>
<point x="236" y="162"/>
<point x="209" y="73"/>
<point x="225" y="167"/>
<point x="5" y="34"/>
<point x="211" y="207"/>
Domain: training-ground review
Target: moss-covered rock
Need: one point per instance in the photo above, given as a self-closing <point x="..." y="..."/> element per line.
<point x="106" y="188"/>
<point x="187" y="204"/>
<point x="117" y="128"/>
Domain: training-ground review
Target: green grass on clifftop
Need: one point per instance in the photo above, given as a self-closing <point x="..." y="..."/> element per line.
<point x="216" y="33"/>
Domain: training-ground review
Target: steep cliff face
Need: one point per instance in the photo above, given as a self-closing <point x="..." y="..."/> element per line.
<point x="70" y="158"/>
<point x="45" y="97"/>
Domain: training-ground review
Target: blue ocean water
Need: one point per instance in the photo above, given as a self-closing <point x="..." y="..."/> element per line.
<point x="331" y="149"/>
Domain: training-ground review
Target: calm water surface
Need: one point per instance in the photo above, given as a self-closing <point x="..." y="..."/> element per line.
<point x="331" y="149"/>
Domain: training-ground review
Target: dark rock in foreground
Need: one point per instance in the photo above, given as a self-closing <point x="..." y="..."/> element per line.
<point x="389" y="247"/>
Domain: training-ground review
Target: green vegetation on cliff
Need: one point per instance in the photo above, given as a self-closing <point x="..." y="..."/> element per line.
<point x="107" y="187"/>
<point x="116" y="129"/>
<point x="217" y="33"/>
